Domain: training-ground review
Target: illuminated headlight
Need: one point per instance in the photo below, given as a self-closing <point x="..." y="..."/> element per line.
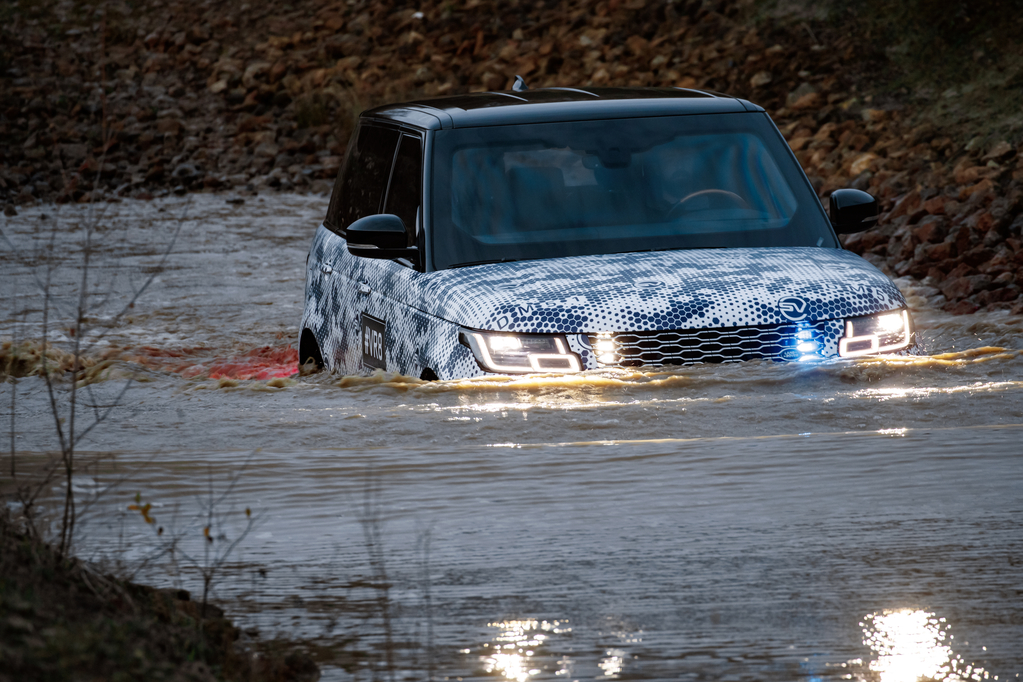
<point x="872" y="334"/>
<point x="604" y="349"/>
<point x="516" y="353"/>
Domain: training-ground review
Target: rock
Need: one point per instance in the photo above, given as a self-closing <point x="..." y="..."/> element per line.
<point x="998" y="295"/>
<point x="961" y="287"/>
<point x="799" y="93"/>
<point x="939" y="252"/>
<point x="935" y="205"/>
<point x="977" y="256"/>
<point x="760" y="79"/>
<point x="252" y="73"/>
<point x="185" y="171"/>
<point x="931" y="229"/>
<point x="170" y="126"/>
<point x="961" y="307"/>
<point x="863" y="163"/>
<point x="74" y="152"/>
<point x="1001" y="151"/>
<point x="873" y="115"/>
<point x="10" y="211"/>
<point x="808" y="101"/>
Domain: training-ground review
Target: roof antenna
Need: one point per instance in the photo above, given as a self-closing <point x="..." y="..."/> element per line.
<point x="520" y="84"/>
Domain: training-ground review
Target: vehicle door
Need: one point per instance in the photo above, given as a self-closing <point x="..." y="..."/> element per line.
<point x="390" y="327"/>
<point x="360" y="190"/>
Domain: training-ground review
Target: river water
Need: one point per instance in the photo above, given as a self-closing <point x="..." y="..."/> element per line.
<point x="758" y="521"/>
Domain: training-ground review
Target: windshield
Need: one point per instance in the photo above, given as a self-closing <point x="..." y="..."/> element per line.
<point x="549" y="190"/>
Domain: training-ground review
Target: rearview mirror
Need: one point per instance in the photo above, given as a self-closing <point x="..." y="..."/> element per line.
<point x="852" y="211"/>
<point x="380" y="236"/>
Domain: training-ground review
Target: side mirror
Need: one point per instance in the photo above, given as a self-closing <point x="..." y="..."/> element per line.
<point x="380" y="236"/>
<point x="852" y="211"/>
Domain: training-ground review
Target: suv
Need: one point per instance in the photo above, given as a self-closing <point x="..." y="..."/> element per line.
<point x="563" y="230"/>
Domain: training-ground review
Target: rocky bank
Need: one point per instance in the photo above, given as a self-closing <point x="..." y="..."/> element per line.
<point x="103" y="100"/>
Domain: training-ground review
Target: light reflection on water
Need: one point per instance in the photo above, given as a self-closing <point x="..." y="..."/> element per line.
<point x="526" y="649"/>
<point x="910" y="645"/>
<point x="512" y="651"/>
<point x="612" y="663"/>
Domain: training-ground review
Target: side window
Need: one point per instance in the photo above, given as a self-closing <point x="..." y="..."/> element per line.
<point x="359" y="191"/>
<point x="406" y="184"/>
<point x="333" y="209"/>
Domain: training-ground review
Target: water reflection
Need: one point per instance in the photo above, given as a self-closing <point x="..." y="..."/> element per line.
<point x="512" y="652"/>
<point x="612" y="663"/>
<point x="910" y="645"/>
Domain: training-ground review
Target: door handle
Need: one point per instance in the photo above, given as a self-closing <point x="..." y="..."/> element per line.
<point x="364" y="289"/>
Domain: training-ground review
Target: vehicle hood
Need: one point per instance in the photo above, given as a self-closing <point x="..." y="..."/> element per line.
<point x="658" y="290"/>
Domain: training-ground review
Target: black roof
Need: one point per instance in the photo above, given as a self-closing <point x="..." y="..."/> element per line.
<point x="555" y="104"/>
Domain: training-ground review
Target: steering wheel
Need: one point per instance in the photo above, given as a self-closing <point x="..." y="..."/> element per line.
<point x="707" y="199"/>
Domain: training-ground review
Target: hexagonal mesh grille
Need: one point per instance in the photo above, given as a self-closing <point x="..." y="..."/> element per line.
<point x="687" y="346"/>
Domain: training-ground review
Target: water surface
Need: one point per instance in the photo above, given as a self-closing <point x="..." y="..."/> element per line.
<point x="756" y="521"/>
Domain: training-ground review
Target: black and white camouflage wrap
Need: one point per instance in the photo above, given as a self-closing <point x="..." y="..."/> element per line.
<point x="697" y="289"/>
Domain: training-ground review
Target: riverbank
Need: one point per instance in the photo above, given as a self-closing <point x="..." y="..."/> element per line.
<point x="63" y="619"/>
<point x="100" y="103"/>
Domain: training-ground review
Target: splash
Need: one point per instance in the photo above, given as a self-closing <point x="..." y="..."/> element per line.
<point x="263" y="363"/>
<point x="34" y="358"/>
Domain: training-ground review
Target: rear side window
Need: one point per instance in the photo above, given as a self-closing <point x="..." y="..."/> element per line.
<point x="359" y="191"/>
<point x="403" y="196"/>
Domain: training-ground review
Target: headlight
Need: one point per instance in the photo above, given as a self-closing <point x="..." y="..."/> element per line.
<point x="505" y="353"/>
<point x="880" y="333"/>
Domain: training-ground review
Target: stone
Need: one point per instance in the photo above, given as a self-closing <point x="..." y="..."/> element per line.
<point x="1002" y="150"/>
<point x="977" y="256"/>
<point x="168" y="126"/>
<point x="961" y="307"/>
<point x="185" y="171"/>
<point x="802" y="91"/>
<point x="961" y="270"/>
<point x="931" y="229"/>
<point x="935" y="205"/>
<point x="939" y="252"/>
<point x="862" y="163"/>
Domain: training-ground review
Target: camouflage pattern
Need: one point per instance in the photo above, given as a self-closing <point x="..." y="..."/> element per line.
<point x="577" y="296"/>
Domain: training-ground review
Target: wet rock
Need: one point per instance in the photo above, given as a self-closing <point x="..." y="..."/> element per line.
<point x="961" y="307"/>
<point x="10" y="211"/>
<point x="185" y="171"/>
<point x="961" y="287"/>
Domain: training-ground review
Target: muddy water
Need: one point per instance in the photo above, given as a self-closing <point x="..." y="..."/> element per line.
<point x="758" y="521"/>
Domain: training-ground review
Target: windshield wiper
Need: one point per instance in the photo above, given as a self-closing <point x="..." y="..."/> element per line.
<point x="484" y="262"/>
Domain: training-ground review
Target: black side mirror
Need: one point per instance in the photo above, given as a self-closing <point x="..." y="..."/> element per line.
<point x="852" y="211"/>
<point x="380" y="236"/>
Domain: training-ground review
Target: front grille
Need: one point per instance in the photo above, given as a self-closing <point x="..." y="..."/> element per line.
<point x="687" y="346"/>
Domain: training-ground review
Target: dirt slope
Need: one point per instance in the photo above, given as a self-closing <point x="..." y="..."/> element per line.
<point x="110" y="99"/>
